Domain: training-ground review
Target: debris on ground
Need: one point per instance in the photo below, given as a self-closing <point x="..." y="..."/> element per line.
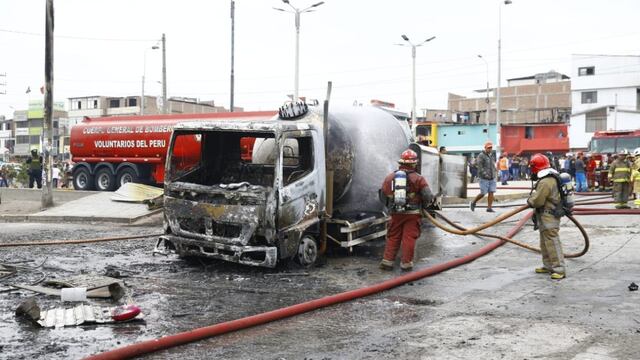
<point x="633" y="287"/>
<point x="82" y="314"/>
<point x="97" y="286"/>
<point x="139" y="193"/>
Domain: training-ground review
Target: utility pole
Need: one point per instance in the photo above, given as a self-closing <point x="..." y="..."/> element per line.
<point x="47" y="145"/>
<point x="233" y="11"/>
<point x="164" y="74"/>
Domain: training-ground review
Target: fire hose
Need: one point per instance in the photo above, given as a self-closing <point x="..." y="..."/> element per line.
<point x="149" y="346"/>
<point x="83" y="241"/>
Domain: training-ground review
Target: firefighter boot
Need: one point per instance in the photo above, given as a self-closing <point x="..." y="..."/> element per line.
<point x="542" y="270"/>
<point x="406" y="266"/>
<point x="557" y="276"/>
<point x="386" y="265"/>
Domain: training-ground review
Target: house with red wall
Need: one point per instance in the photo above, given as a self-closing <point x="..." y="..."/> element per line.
<point x="527" y="139"/>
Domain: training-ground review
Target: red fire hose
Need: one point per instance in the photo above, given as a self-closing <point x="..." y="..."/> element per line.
<point x="166" y="342"/>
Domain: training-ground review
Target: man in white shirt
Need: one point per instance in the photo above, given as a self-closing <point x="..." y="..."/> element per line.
<point x="55" y="176"/>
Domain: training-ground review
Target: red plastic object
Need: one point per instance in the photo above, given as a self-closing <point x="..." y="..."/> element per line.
<point x="125" y="312"/>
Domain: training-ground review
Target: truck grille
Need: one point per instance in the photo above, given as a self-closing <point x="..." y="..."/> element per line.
<point x="209" y="227"/>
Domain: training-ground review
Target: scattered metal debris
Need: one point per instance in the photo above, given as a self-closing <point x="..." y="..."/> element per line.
<point x="97" y="286"/>
<point x="82" y="314"/>
<point x="633" y="287"/>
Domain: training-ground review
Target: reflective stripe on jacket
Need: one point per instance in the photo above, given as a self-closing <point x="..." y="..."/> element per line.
<point x="620" y="171"/>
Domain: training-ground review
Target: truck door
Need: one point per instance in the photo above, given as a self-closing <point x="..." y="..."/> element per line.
<point x="302" y="185"/>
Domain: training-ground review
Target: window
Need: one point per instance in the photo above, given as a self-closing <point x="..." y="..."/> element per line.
<point x="95" y="104"/>
<point x="78" y="105"/>
<point x="596" y="121"/>
<point x="485" y="130"/>
<point x="637" y="99"/>
<point x="114" y="103"/>
<point x="460" y="132"/>
<point x="586" y="71"/>
<point x="132" y="102"/>
<point x="589" y="97"/>
<point x="36" y="123"/>
<point x="22" y="139"/>
<point x="297" y="155"/>
<point x="22" y="124"/>
<point x="528" y="132"/>
<point x="34" y="139"/>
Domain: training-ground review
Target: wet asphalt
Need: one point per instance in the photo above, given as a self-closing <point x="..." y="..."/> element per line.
<point x="495" y="307"/>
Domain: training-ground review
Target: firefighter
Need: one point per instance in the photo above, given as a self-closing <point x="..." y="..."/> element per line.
<point x="545" y="200"/>
<point x="620" y="176"/>
<point x="406" y="193"/>
<point x="635" y="176"/>
<point x="34" y="164"/>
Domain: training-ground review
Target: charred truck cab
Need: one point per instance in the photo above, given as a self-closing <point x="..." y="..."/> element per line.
<point x="280" y="203"/>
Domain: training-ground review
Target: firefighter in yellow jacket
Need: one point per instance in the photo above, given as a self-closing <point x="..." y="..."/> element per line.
<point x="620" y="177"/>
<point x="635" y="176"/>
<point x="545" y="200"/>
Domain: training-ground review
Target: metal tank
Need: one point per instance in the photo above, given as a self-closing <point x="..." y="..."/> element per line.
<point x="364" y="145"/>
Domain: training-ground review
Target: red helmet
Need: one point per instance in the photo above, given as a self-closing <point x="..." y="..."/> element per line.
<point x="408" y="157"/>
<point x="538" y="162"/>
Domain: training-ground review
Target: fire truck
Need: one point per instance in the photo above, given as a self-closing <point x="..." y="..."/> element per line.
<point x="111" y="151"/>
<point x="602" y="146"/>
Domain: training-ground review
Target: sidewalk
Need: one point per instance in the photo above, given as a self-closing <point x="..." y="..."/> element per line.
<point x="514" y="191"/>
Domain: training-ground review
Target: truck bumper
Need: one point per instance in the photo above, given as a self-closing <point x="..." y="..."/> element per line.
<point x="265" y="256"/>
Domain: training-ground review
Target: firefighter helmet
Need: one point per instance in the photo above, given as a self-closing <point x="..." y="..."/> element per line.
<point x="636" y="152"/>
<point x="539" y="162"/>
<point x="408" y="157"/>
<point x="624" y="152"/>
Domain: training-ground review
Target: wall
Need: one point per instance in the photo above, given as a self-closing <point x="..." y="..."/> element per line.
<point x="544" y="138"/>
<point x="471" y="139"/>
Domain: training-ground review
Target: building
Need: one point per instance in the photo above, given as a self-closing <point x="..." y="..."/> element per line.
<point x="7" y="141"/>
<point x="464" y="139"/>
<point x="528" y="139"/>
<point x="541" y="98"/>
<point x="605" y="96"/>
<point x="28" y="128"/>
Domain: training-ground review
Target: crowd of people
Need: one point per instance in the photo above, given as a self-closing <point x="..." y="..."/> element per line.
<point x="33" y="166"/>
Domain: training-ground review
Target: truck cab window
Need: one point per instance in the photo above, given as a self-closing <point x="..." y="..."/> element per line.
<point x="185" y="157"/>
<point x="297" y="156"/>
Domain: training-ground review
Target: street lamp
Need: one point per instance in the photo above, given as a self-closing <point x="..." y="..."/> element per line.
<point x="487" y="98"/>
<point x="144" y="73"/>
<point x="297" y="13"/>
<point x="498" y="103"/>
<point x="413" y="81"/>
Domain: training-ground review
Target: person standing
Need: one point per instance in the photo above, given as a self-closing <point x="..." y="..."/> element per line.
<point x="503" y="165"/>
<point x="581" y="176"/>
<point x="620" y="177"/>
<point x="4" y="173"/>
<point x="34" y="164"/>
<point x="515" y="168"/>
<point x="524" y="168"/>
<point x="407" y="192"/>
<point x="544" y="199"/>
<point x="485" y="162"/>
<point x="55" y="176"/>
<point x="473" y="170"/>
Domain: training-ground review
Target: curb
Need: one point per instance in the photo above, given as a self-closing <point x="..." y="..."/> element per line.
<point x="72" y="219"/>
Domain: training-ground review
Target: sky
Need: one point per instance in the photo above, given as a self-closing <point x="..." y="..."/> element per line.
<point x="101" y="47"/>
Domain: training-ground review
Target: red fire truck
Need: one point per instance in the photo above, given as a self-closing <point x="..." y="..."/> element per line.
<point x="111" y="151"/>
<point x="603" y="144"/>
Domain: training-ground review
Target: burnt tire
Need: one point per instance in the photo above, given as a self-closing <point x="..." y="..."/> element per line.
<point x="127" y="175"/>
<point x="105" y="180"/>
<point x="307" y="251"/>
<point x="82" y="179"/>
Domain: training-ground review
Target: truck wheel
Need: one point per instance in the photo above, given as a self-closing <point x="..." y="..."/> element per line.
<point x="307" y="251"/>
<point x="82" y="179"/>
<point x="127" y="175"/>
<point x="105" y="180"/>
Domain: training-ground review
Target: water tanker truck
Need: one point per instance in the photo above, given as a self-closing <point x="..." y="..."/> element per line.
<point x="313" y="178"/>
<point x="111" y="151"/>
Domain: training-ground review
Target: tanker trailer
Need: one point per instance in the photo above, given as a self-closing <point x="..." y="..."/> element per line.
<point x="281" y="204"/>
<point x="111" y="151"/>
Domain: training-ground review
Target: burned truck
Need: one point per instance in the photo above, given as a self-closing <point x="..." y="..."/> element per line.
<point x="312" y="179"/>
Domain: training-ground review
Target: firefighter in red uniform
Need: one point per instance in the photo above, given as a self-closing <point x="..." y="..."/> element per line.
<point x="406" y="193"/>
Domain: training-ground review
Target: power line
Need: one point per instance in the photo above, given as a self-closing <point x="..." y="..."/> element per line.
<point x="74" y="37"/>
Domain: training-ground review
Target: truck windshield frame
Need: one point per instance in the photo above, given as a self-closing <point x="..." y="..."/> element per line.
<point x="225" y="157"/>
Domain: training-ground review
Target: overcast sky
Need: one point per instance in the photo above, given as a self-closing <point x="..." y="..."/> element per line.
<point x="100" y="47"/>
